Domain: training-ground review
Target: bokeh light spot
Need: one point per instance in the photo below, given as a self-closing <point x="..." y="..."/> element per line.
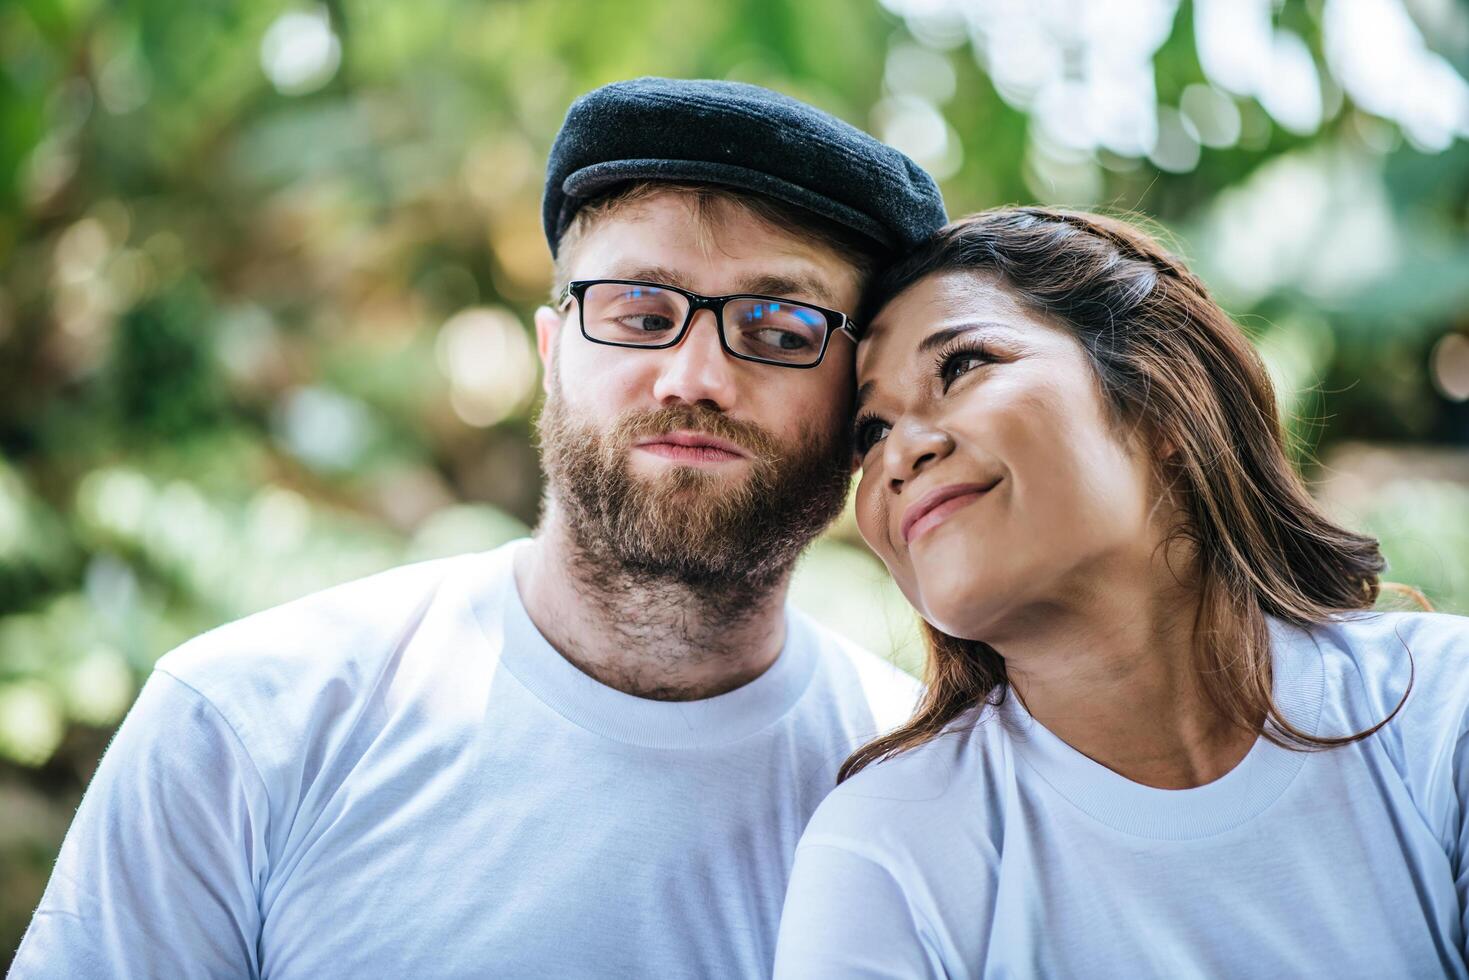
<point x="487" y="357"/>
<point x="299" y="52"/>
<point x="1449" y="366"/>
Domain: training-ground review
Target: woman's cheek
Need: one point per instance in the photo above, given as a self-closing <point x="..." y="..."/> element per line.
<point x="869" y="513"/>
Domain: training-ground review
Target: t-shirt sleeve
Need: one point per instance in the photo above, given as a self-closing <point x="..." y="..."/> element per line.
<point x="158" y="874"/>
<point x="846" y="916"/>
<point x="1430" y="736"/>
<point x="1461" y="868"/>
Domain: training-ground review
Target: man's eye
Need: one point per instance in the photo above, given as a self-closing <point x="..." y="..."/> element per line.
<point x="780" y="339"/>
<point x="647" y="322"/>
<point x="868" y="433"/>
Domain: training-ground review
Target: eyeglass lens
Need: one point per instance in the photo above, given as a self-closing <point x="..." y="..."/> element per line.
<point x="639" y="315"/>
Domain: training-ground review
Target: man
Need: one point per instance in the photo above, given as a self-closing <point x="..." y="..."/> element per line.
<point x="590" y="754"/>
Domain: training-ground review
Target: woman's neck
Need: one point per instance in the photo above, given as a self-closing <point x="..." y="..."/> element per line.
<point x="1114" y="675"/>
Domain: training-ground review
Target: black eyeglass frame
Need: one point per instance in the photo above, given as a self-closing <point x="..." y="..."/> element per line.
<point x="836" y="321"/>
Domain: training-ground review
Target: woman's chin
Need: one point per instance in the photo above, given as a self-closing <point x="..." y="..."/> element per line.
<point x="969" y="611"/>
<point x="949" y="587"/>
<point x="954" y="592"/>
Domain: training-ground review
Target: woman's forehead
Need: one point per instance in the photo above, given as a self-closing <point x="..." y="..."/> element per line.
<point x="939" y="298"/>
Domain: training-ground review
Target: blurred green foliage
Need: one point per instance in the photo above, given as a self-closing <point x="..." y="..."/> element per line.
<point x="266" y="273"/>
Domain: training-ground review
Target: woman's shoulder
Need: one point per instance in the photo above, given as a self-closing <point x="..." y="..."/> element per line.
<point x="1369" y="629"/>
<point x="909" y="801"/>
<point x="1413" y="667"/>
<point x="1382" y="650"/>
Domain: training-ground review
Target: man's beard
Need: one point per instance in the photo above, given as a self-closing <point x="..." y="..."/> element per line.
<point x="724" y="538"/>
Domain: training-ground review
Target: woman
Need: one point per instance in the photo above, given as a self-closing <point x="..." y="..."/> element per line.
<point x="1162" y="736"/>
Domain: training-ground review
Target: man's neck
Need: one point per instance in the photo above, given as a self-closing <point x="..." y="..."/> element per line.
<point x="649" y="637"/>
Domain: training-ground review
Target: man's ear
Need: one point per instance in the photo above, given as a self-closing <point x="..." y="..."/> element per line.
<point x="548" y="334"/>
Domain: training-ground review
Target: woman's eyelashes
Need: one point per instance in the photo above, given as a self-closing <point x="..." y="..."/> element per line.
<point x="952" y="362"/>
<point x="865" y="433"/>
<point x="958" y="358"/>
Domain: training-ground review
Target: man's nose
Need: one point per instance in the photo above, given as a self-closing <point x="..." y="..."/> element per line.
<point x="697" y="370"/>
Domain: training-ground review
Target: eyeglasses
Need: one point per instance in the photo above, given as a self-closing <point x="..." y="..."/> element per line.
<point x="766" y="329"/>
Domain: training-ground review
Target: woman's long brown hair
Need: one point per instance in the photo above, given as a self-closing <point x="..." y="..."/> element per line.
<point x="1166" y="356"/>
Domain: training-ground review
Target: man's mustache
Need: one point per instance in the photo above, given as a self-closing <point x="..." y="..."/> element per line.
<point x="639" y="425"/>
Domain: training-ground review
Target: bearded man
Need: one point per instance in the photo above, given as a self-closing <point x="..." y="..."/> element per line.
<point x="591" y="753"/>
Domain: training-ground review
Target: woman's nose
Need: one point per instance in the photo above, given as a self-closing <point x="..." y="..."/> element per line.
<point x="912" y="447"/>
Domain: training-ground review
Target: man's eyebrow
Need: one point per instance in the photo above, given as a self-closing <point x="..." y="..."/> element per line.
<point x="650" y="273"/>
<point x="787" y="285"/>
<point x="768" y="284"/>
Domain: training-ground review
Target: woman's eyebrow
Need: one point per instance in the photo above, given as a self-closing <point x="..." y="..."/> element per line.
<point x="936" y="339"/>
<point x="940" y="337"/>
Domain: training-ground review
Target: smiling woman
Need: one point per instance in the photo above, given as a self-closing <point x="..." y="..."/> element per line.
<point x="1141" y="629"/>
<point x="1134" y="422"/>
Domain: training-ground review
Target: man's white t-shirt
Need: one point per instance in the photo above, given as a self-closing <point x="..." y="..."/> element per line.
<point x="997" y="850"/>
<point x="399" y="777"/>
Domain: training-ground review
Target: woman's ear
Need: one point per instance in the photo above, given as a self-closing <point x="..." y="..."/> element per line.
<point x="1160" y="445"/>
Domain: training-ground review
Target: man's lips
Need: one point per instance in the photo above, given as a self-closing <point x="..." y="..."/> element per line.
<point x="934" y="507"/>
<point x="692" y="447"/>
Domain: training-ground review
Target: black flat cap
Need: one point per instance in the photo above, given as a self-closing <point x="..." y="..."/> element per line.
<point x="742" y="136"/>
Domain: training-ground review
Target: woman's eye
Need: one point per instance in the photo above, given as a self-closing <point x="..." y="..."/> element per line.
<point x="961" y="364"/>
<point x="869" y="433"/>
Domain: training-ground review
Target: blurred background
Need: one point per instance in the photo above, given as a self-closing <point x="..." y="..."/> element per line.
<point x="267" y="270"/>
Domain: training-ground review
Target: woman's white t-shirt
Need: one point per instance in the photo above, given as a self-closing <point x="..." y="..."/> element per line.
<point x="997" y="850"/>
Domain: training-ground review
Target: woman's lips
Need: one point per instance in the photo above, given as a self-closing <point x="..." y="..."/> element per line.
<point x="934" y="508"/>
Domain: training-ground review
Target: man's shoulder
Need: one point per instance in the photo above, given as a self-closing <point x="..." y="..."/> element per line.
<point x="855" y="676"/>
<point x="338" y="636"/>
